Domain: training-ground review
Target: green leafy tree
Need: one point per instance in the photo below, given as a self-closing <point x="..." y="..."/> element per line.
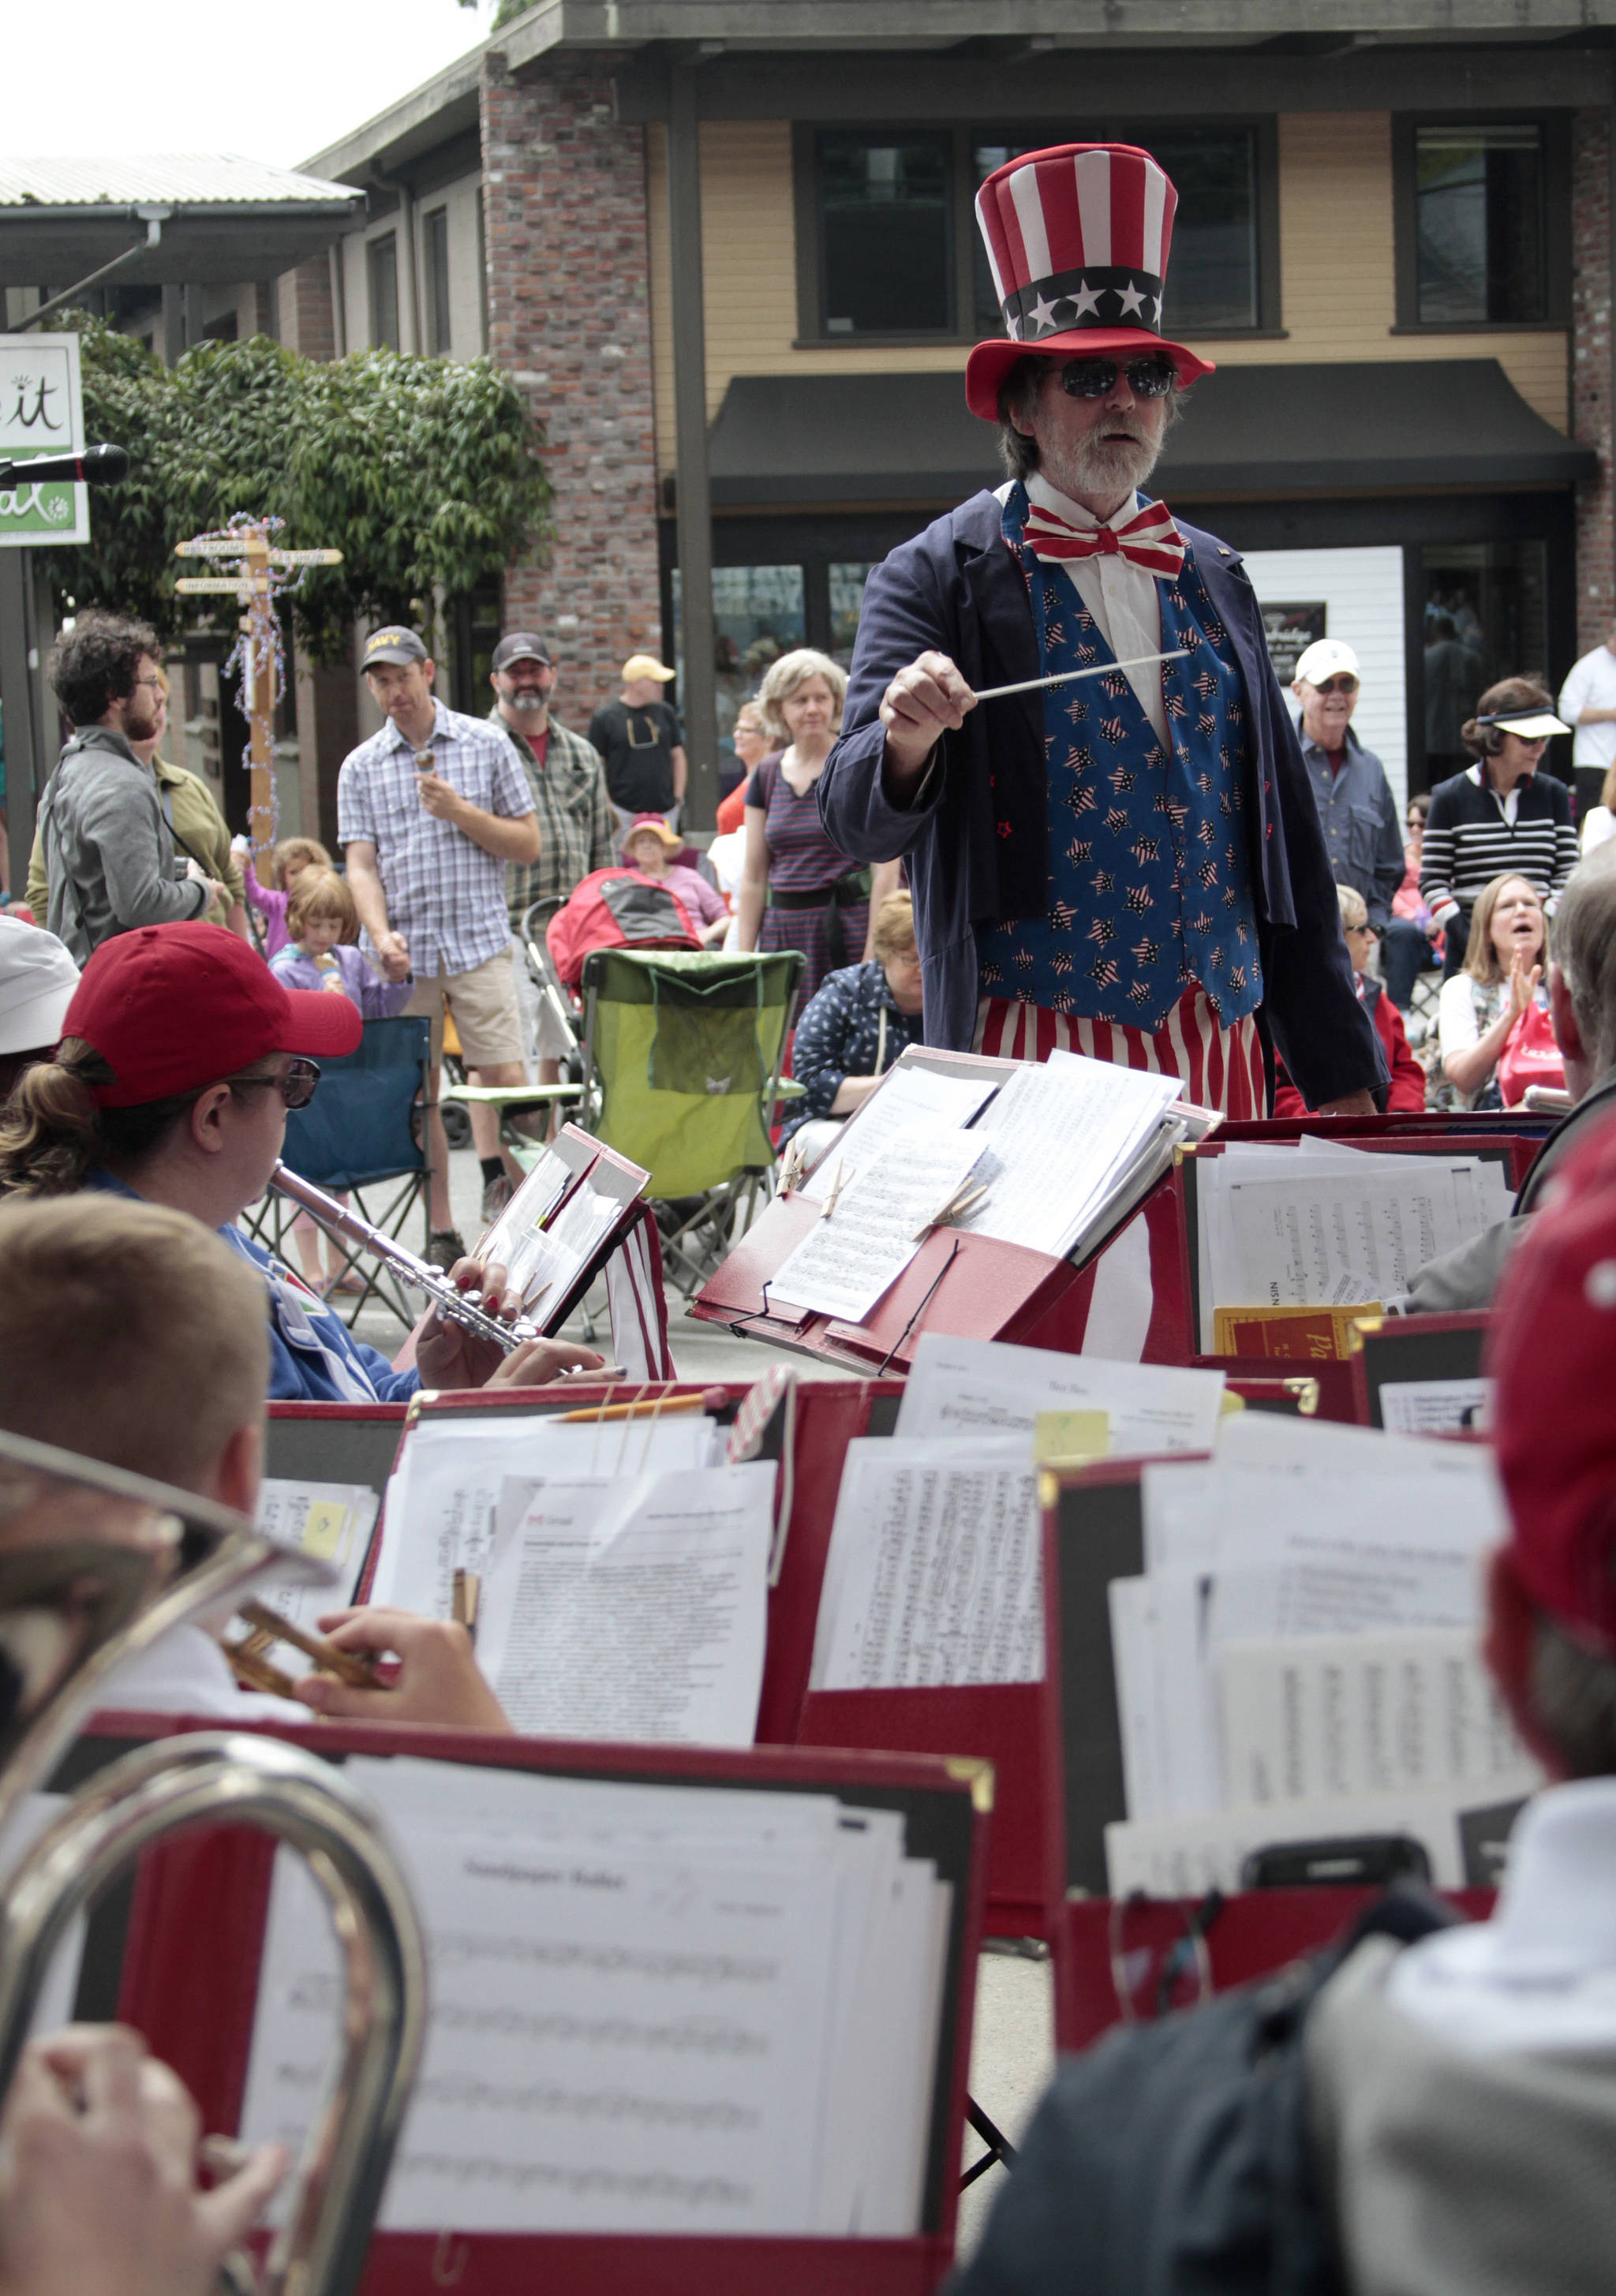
<point x="425" y="474"/>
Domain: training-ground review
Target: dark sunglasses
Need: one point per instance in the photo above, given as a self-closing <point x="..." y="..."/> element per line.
<point x="296" y="1087"/>
<point x="1097" y="378"/>
<point x="1343" y="681"/>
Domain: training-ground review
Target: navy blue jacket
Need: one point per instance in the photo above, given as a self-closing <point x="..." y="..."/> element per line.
<point x="976" y="837"/>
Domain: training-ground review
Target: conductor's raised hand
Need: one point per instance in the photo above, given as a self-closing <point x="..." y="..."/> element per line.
<point x="438" y="1679"/>
<point x="924" y="702"/>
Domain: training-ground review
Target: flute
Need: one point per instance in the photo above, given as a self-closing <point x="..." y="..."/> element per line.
<point x="457" y="1307"/>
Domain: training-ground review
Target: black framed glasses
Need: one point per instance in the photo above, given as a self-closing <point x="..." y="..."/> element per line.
<point x="1097" y="378"/>
<point x="296" y="1087"/>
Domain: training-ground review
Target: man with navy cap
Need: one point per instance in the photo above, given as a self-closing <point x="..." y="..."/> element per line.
<point x="430" y="812"/>
<point x="1130" y="865"/>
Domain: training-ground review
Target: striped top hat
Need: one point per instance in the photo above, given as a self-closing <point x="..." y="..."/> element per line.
<point x="1077" y="241"/>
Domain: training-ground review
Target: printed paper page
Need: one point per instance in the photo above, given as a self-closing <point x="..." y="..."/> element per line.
<point x="962" y="1387"/>
<point x="330" y="1521"/>
<point x="848" y="1261"/>
<point x="634" y="1609"/>
<point x="1434" y="1407"/>
<point x="1062" y="1131"/>
<point x="910" y="1100"/>
<point x="442" y="1497"/>
<point x="1377" y="1713"/>
<point x="1186" y="1856"/>
<point x="933" y="1574"/>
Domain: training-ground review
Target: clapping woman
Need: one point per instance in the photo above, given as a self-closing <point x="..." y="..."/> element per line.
<point x="1502" y="979"/>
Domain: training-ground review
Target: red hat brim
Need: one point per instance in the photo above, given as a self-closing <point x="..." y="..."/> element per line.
<point x="989" y="363"/>
<point x="320" y="1025"/>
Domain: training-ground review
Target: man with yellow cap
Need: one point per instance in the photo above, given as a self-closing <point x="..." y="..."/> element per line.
<point x="1128" y="865"/>
<point x="643" y="745"/>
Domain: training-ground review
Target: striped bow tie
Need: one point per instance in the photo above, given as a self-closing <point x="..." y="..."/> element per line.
<point x="1149" y="539"/>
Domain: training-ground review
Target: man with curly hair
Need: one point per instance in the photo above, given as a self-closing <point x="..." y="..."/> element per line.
<point x="108" y="852"/>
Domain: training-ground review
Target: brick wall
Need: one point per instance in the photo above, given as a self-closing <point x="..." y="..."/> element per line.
<point x="304" y="313"/>
<point x="1591" y="378"/>
<point x="568" y="316"/>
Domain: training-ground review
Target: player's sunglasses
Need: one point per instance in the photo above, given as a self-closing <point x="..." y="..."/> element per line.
<point x="296" y="1087"/>
<point x="1343" y="681"/>
<point x="1097" y="378"/>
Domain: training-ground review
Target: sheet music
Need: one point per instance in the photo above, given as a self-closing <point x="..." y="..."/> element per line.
<point x="650" y="2012"/>
<point x="1063" y="1132"/>
<point x="849" y="1259"/>
<point x="933" y="1574"/>
<point x="962" y="1387"/>
<point x="330" y="1521"/>
<point x="1186" y="1856"/>
<point x="443" y="1493"/>
<point x="1331" y="1715"/>
<point x="1434" y="1407"/>
<point x="631" y="1608"/>
<point x="1322" y="1226"/>
<point x="910" y="1100"/>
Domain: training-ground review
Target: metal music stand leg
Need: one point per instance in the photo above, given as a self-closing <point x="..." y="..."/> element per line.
<point x="1000" y="2153"/>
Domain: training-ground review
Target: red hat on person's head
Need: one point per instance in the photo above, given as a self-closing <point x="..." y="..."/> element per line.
<point x="1553" y="1363"/>
<point x="171" y="1008"/>
<point x="1076" y="240"/>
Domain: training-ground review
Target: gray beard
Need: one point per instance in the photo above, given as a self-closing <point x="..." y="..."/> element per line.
<point x="528" y="700"/>
<point x="1102" y="466"/>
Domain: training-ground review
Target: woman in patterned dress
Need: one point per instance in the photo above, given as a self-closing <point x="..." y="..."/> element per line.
<point x="815" y="897"/>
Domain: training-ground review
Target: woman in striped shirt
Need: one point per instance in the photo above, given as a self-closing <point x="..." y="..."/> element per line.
<point x="1502" y="817"/>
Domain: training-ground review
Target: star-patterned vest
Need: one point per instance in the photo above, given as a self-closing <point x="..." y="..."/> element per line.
<point x="1149" y="874"/>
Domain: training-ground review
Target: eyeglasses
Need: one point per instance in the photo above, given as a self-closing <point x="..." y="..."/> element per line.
<point x="296" y="1087"/>
<point x="1343" y="681"/>
<point x="156" y="684"/>
<point x="1097" y="378"/>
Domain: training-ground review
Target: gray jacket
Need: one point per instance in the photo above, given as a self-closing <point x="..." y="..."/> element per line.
<point x="108" y="856"/>
<point x="1466" y="1278"/>
<point x="1451" y="2174"/>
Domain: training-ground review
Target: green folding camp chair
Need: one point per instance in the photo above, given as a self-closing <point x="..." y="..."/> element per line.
<point x="682" y="1053"/>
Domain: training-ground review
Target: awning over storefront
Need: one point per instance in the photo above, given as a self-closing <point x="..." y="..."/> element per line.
<point x="1323" y="428"/>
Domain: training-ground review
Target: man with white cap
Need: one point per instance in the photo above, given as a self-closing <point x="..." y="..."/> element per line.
<point x="38" y="979"/>
<point x="1129" y="865"/>
<point x="1356" y="807"/>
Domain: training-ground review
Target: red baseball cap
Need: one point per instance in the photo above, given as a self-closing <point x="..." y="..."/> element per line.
<point x="171" y="1008"/>
<point x="1552" y="1361"/>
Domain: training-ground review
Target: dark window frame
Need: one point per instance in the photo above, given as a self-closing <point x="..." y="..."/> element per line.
<point x="1556" y="128"/>
<point x="384" y="246"/>
<point x="965" y="136"/>
<point x="440" y="312"/>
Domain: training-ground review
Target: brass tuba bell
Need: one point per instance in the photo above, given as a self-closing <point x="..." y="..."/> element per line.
<point x="95" y="1564"/>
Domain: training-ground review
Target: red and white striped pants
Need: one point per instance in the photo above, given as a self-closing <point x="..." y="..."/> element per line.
<point x="1221" y="1068"/>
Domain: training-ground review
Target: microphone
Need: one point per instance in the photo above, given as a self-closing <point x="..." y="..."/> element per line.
<point x="97" y="466"/>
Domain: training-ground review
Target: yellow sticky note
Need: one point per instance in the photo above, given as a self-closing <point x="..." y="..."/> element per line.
<point x="325" y="1530"/>
<point x="1069" y="1438"/>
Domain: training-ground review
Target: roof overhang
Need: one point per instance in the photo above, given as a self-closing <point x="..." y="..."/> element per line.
<point x="200" y="246"/>
<point x="1416" y="426"/>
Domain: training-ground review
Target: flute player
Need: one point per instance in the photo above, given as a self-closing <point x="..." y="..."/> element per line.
<point x="1131" y="865"/>
<point x="179" y="1058"/>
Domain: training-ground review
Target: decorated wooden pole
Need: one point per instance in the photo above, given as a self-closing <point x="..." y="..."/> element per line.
<point x="262" y="573"/>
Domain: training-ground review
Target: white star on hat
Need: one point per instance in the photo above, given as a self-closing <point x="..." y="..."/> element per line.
<point x="1131" y="299"/>
<point x="1041" y="317"/>
<point x="1087" y="298"/>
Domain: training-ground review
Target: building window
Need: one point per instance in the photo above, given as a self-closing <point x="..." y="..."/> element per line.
<point x="885" y="233"/>
<point x="1479" y="226"/>
<point x="1213" y="282"/>
<point x="382" y="274"/>
<point x="1486" y="618"/>
<point x="435" y="238"/>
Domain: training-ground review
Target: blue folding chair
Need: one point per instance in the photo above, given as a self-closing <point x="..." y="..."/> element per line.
<point x="362" y="1130"/>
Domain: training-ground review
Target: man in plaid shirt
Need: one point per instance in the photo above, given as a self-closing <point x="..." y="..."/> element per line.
<point x="575" y="819"/>
<point x="430" y="811"/>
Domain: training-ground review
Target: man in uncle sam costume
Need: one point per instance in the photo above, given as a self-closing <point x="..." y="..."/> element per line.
<point x="1130" y="865"/>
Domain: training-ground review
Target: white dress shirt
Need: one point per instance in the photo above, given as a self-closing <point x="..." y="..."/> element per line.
<point x="1590" y="684"/>
<point x="1542" y="1973"/>
<point x="1122" y="598"/>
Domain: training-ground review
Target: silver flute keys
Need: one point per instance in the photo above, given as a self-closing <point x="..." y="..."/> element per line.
<point x="456" y="1306"/>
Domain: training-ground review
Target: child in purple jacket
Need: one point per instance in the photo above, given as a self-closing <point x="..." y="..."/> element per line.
<point x="320" y="920"/>
<point x="288" y="863"/>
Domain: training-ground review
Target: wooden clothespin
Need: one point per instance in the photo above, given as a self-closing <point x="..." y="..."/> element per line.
<point x="464" y="1600"/>
<point x="953" y="1207"/>
<point x="829" y="1205"/>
